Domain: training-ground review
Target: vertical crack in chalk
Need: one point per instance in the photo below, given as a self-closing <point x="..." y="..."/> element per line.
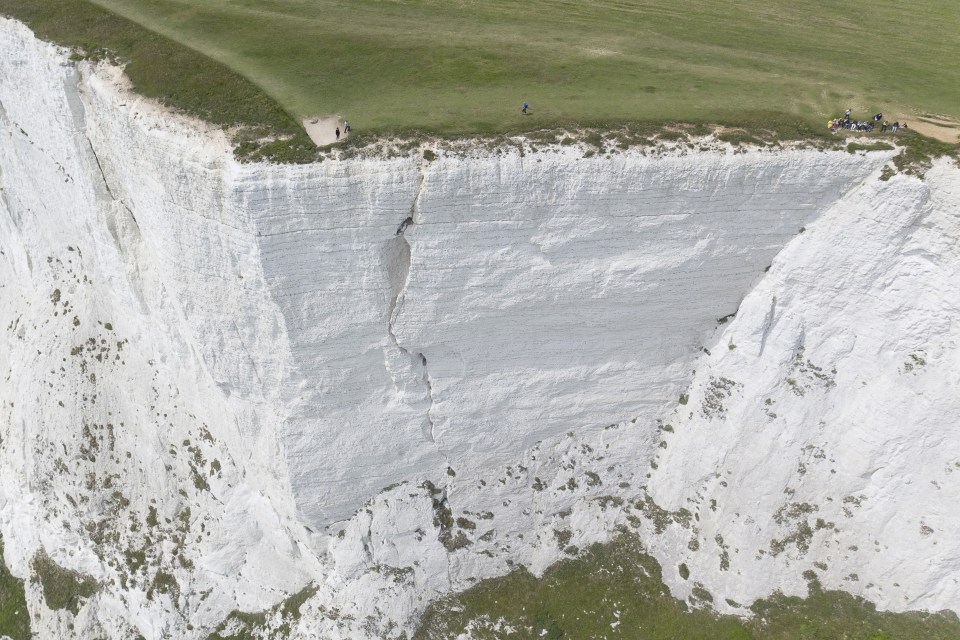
<point x="106" y="184"/>
<point x="103" y="175"/>
<point x="399" y="273"/>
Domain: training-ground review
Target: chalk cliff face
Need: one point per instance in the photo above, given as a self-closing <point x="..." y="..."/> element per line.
<point x="831" y="403"/>
<point x="209" y="372"/>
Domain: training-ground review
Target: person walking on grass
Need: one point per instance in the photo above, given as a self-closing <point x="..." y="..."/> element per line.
<point x="896" y="125"/>
<point x="524" y="108"/>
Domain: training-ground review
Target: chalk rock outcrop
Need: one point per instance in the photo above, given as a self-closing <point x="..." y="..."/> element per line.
<point x="210" y="371"/>
<point x="830" y="406"/>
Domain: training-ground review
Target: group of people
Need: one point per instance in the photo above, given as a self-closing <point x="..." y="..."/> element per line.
<point x="842" y="123"/>
<point x="346" y="129"/>
<point x="846" y="122"/>
<point x="894" y="128"/>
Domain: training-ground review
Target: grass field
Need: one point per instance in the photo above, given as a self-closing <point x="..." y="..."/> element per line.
<point x="616" y="591"/>
<point x="464" y="66"/>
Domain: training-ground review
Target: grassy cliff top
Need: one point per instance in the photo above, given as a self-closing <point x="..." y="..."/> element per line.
<point x="459" y="67"/>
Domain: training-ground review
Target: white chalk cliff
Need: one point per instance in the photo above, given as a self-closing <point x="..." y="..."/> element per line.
<point x="223" y="382"/>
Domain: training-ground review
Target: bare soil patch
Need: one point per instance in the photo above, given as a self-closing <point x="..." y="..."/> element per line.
<point x="323" y="129"/>
<point x="940" y="128"/>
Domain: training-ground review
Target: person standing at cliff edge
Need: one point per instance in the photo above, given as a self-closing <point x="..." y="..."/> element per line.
<point x="338" y="133"/>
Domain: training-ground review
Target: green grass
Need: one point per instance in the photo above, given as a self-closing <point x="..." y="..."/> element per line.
<point x="618" y="582"/>
<point x="454" y="68"/>
<point x="853" y="147"/>
<point x="14" y="619"/>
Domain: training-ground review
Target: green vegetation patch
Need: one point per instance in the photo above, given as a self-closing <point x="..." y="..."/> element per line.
<point x="240" y="625"/>
<point x="919" y="152"/>
<point x="616" y="590"/>
<point x="853" y="147"/>
<point x="14" y="617"/>
<point x="826" y="615"/>
<point x="62" y="588"/>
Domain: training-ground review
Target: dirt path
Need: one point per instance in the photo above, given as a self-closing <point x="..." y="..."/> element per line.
<point x="322" y="129"/>
<point x="939" y="127"/>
